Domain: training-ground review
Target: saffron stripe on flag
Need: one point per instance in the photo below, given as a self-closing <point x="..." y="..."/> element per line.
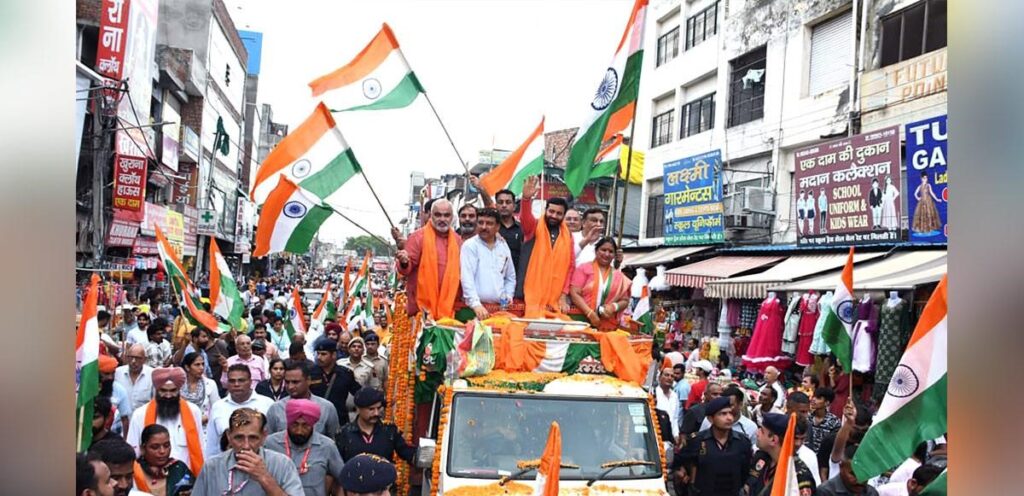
<point x="365" y="62"/>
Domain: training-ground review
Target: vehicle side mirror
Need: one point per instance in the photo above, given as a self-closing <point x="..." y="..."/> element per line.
<point x="425" y="453"/>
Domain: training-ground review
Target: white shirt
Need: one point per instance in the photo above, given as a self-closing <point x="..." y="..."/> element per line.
<point x="584" y="255"/>
<point x="810" y="459"/>
<point x="221" y="412"/>
<point x="675" y="357"/>
<point x="179" y="442"/>
<point x="142" y="391"/>
<point x="780" y="394"/>
<point x="135" y="335"/>
<point x="893" y="489"/>
<point x="671" y="405"/>
<point x="905" y="471"/>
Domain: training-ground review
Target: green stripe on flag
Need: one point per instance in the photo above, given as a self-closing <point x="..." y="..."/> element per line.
<point x="332" y="176"/>
<point x="937" y="487"/>
<point x="834" y="334"/>
<point x="401" y="96"/>
<point x="303" y="234"/>
<point x="576" y="353"/>
<point x="88" y="389"/>
<point x="889" y="442"/>
<point x="531" y="169"/>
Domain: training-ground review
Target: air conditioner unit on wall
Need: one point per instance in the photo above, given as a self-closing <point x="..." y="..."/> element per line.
<point x="732" y="204"/>
<point x="759" y="200"/>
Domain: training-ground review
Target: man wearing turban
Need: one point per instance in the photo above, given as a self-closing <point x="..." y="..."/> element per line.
<point x="182" y="418"/>
<point x="315" y="455"/>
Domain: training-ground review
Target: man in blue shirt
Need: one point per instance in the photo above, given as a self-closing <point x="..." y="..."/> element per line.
<point x="488" y="274"/>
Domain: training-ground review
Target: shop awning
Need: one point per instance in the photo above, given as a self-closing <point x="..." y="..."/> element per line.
<point x="792" y="269"/>
<point x="899" y="271"/>
<point x="696" y="275"/>
<point x="663" y="255"/>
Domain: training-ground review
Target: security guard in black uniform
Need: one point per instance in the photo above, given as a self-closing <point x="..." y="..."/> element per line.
<point x="716" y="460"/>
<point x="769" y="444"/>
<point x="368" y="434"/>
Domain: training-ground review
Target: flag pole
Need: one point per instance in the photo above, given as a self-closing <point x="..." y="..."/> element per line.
<point x="629" y="168"/>
<point x="449" y="136"/>
<point x="611" y="205"/>
<point x="388" y="217"/>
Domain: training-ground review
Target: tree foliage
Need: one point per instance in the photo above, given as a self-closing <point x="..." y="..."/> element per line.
<point x="362" y="243"/>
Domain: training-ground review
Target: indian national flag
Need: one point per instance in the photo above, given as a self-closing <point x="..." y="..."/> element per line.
<point x="550" y="464"/>
<point x="785" y="482"/>
<point x="354" y="307"/>
<point x="295" y="324"/>
<point x="611" y="110"/>
<point x="839" y="317"/>
<point x="289" y="220"/>
<point x="87" y="355"/>
<point x="914" y="407"/>
<point x="642" y="312"/>
<point x="225" y="300"/>
<point x="377" y="78"/>
<point x="192" y="306"/>
<point x="323" y="310"/>
<point x="525" y="161"/>
<point x="315" y="156"/>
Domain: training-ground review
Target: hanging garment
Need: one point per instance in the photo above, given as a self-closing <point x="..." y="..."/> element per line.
<point x="792" y="320"/>
<point x="864" y="331"/>
<point x="766" y="343"/>
<point x="748" y="313"/>
<point x="893" y="334"/>
<point x="818" y="345"/>
<point x="809" y="310"/>
<point x="732" y="312"/>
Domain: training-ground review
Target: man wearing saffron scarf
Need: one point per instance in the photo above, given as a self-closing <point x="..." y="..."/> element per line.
<point x="430" y="262"/>
<point x="182" y="418"/>
<point x="547" y="261"/>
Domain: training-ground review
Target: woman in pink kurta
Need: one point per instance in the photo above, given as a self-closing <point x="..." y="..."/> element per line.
<point x="600" y="290"/>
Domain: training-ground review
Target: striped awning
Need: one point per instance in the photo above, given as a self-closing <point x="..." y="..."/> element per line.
<point x="792" y="269"/>
<point x="898" y="271"/>
<point x="696" y="275"/>
<point x="663" y="255"/>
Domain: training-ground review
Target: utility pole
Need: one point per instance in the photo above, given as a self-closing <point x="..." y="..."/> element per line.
<point x="100" y="160"/>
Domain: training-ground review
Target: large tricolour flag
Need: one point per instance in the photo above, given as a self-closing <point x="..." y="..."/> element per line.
<point x="87" y="355"/>
<point x="550" y="464"/>
<point x="525" y="161"/>
<point x="192" y="307"/>
<point x="378" y="78"/>
<point x="611" y="110"/>
<point x="289" y="220"/>
<point x="315" y="156"/>
<point x="225" y="300"/>
<point x="785" y="482"/>
<point x="914" y="407"/>
<point x="839" y="317"/>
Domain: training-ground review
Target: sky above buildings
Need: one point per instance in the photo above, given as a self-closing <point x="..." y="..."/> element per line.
<point x="492" y="68"/>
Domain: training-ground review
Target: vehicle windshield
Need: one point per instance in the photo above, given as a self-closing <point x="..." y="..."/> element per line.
<point x="489" y="434"/>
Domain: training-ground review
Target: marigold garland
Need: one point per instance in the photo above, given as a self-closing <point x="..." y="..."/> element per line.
<point x="446" y="407"/>
<point x="657" y="434"/>
<point x="400" y="378"/>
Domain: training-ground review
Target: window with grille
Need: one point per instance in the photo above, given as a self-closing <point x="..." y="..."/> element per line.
<point x="656" y="216"/>
<point x="746" y="87"/>
<point x="697" y="116"/>
<point x="915" y="30"/>
<point x="661" y="129"/>
<point x="668" y="46"/>
<point x="701" y="26"/>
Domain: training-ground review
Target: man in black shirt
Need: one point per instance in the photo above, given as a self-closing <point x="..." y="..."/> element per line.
<point x="331" y="382"/>
<point x="368" y="434"/>
<point x="716" y="461"/>
<point x="695" y="415"/>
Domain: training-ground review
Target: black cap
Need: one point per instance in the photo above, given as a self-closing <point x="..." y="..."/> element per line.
<point x="366" y="473"/>
<point x="776" y="423"/>
<point x="371" y="336"/>
<point x="259" y="344"/>
<point x="326" y="344"/>
<point x="716" y="405"/>
<point x="368" y="396"/>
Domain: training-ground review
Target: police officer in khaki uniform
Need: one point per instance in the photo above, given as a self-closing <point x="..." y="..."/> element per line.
<point x="715" y="460"/>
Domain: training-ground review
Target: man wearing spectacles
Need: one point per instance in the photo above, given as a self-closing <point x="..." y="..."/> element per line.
<point x="314" y="455"/>
<point x="135" y="377"/>
<point x="240" y="395"/>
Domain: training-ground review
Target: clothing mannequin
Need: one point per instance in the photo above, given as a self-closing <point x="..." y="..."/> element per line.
<point x="771" y="296"/>
<point x="894" y="298"/>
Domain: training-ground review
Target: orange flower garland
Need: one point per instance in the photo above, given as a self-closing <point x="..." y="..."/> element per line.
<point x="657" y="433"/>
<point x="400" y="384"/>
<point x="446" y="407"/>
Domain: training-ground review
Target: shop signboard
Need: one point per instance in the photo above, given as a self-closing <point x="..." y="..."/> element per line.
<point x="171" y="134"/>
<point x="848" y="190"/>
<point x="123" y="230"/>
<point x="243" y="225"/>
<point x="189" y="144"/>
<point x="207" y="222"/>
<point x="693" y="200"/>
<point x="927" y="191"/>
<point x="111" y="46"/>
<point x="140" y="50"/>
<point x="144" y="245"/>
<point x="129" y="185"/>
<point x="191" y="216"/>
<point x="175" y="230"/>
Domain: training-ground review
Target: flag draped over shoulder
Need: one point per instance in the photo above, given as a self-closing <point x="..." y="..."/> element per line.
<point x="612" y="108"/>
<point x="550" y="464"/>
<point x="225" y="300"/>
<point x="785" y="482"/>
<point x="839" y="317"/>
<point x="87" y="355"/>
<point x="289" y="220"/>
<point x="914" y="408"/>
<point x="525" y="161"/>
<point x="295" y="323"/>
<point x="378" y="78"/>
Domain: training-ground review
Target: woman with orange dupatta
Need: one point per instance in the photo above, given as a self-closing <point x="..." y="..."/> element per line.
<point x="600" y="290"/>
<point x="155" y="471"/>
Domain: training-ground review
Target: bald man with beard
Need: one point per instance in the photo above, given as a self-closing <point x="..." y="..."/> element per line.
<point x="432" y="287"/>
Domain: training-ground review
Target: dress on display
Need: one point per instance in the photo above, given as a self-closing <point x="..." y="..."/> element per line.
<point x="926" y="216"/>
<point x="766" y="344"/>
<point x="748" y="313"/>
<point x="893" y="335"/>
<point x="864" y="331"/>
<point x="818" y="345"/>
<point x="890" y="218"/>
<point x="808" y="323"/>
<point x="792" y="320"/>
<point x="733" y="312"/>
